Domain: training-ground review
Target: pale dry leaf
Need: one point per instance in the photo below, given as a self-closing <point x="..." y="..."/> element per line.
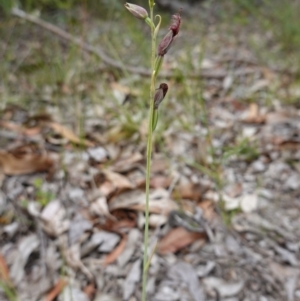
<point x="156" y="220"/>
<point x="253" y="115"/>
<point x="20" y="129"/>
<point x="78" y="227"/>
<point x="26" y="246"/>
<point x="225" y="289"/>
<point x="73" y="258"/>
<point x="177" y="239"/>
<point x="249" y="202"/>
<point x="100" y="207"/>
<point x="107" y="188"/>
<point x="132" y="279"/>
<point x="53" y="218"/>
<point x="160" y="181"/>
<point x="72" y="293"/>
<point x="119" y="181"/>
<point x="159" y="201"/>
<point x="128" y="163"/>
<point x="25" y="164"/>
<point x="188" y="275"/>
<point x="68" y="134"/>
<point x="105" y="241"/>
<point x="98" y="154"/>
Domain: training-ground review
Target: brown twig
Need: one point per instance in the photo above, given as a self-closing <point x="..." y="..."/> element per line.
<point x="215" y="74"/>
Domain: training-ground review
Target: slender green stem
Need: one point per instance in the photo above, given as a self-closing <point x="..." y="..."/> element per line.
<point x="149" y="151"/>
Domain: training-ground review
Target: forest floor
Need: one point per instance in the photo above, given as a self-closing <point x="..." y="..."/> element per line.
<point x="225" y="193"/>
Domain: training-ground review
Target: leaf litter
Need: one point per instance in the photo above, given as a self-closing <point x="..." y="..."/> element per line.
<point x="86" y="243"/>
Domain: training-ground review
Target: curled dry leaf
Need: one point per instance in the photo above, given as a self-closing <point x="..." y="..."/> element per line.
<point x="25" y="163"/>
<point x="111" y="257"/>
<point x="177" y="239"/>
<point x="55" y="291"/>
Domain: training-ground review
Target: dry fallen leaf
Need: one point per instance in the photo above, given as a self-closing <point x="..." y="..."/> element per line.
<point x="90" y="290"/>
<point x="20" y="129"/>
<point x="4" y="272"/>
<point x="55" y="291"/>
<point x="189" y="191"/>
<point x="208" y="209"/>
<point x="25" y="163"/>
<point x="119" y="181"/>
<point x="177" y="239"/>
<point x="160" y="181"/>
<point x="68" y="134"/>
<point x="159" y="201"/>
<point x="128" y="163"/>
<point x="253" y="114"/>
<point x="112" y="256"/>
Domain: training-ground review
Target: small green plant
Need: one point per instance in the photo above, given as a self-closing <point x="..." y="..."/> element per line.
<point x="156" y="97"/>
<point x="8" y="288"/>
<point x="41" y="196"/>
<point x="243" y="149"/>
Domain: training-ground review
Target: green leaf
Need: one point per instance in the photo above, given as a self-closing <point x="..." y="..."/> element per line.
<point x="154" y="119"/>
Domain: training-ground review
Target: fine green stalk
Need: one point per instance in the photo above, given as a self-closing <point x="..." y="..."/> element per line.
<point x="149" y="151"/>
<point x="156" y="97"/>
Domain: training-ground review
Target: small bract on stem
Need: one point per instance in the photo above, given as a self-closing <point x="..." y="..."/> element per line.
<point x="155" y="100"/>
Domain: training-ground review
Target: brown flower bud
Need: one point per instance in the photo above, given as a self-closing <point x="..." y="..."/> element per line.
<point x="160" y="95"/>
<point x="136" y="10"/>
<point x="166" y="42"/>
<point x="175" y="25"/>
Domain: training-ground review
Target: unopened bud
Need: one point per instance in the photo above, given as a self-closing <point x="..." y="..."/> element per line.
<point x="160" y="95"/>
<point x="136" y="10"/>
<point x="166" y="42"/>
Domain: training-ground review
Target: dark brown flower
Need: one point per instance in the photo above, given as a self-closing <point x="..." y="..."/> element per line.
<point x="166" y="42"/>
<point x="160" y="95"/>
<point x="175" y="25"/>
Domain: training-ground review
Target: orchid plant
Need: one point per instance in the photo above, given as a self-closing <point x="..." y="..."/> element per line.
<point x="156" y="97"/>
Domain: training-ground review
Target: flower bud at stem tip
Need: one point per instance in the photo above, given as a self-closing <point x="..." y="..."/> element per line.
<point x="137" y="11"/>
